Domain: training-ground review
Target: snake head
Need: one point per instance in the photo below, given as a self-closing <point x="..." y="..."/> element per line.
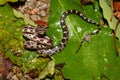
<point x="41" y="30"/>
<point x="42" y="27"/>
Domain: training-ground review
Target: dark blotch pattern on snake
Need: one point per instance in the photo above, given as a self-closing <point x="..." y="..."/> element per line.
<point x="62" y="44"/>
<point x="35" y="39"/>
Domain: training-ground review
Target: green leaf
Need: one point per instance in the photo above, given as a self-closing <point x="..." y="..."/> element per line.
<point x="11" y="35"/>
<point x="108" y="13"/>
<point x="41" y="65"/>
<point x="5" y="1"/>
<point x="27" y="20"/>
<point x="95" y="58"/>
<point x="11" y="40"/>
<point x="48" y="70"/>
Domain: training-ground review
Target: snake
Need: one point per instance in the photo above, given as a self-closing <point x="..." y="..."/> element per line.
<point x="34" y="41"/>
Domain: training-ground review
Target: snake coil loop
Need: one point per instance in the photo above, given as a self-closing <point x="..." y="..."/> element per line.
<point x="44" y="45"/>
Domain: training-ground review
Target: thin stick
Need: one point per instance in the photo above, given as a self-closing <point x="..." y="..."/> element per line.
<point x="112" y="10"/>
<point x="114" y="36"/>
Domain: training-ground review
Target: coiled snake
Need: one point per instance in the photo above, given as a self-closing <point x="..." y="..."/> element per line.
<point x="43" y="44"/>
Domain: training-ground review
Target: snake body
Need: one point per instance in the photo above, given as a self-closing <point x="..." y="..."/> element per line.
<point x="62" y="44"/>
<point x="34" y="42"/>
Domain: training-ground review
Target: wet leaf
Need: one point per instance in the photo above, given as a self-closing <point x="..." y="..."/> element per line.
<point x="95" y="57"/>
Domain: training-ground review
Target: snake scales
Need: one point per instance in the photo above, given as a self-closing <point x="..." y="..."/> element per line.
<point x="43" y="45"/>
